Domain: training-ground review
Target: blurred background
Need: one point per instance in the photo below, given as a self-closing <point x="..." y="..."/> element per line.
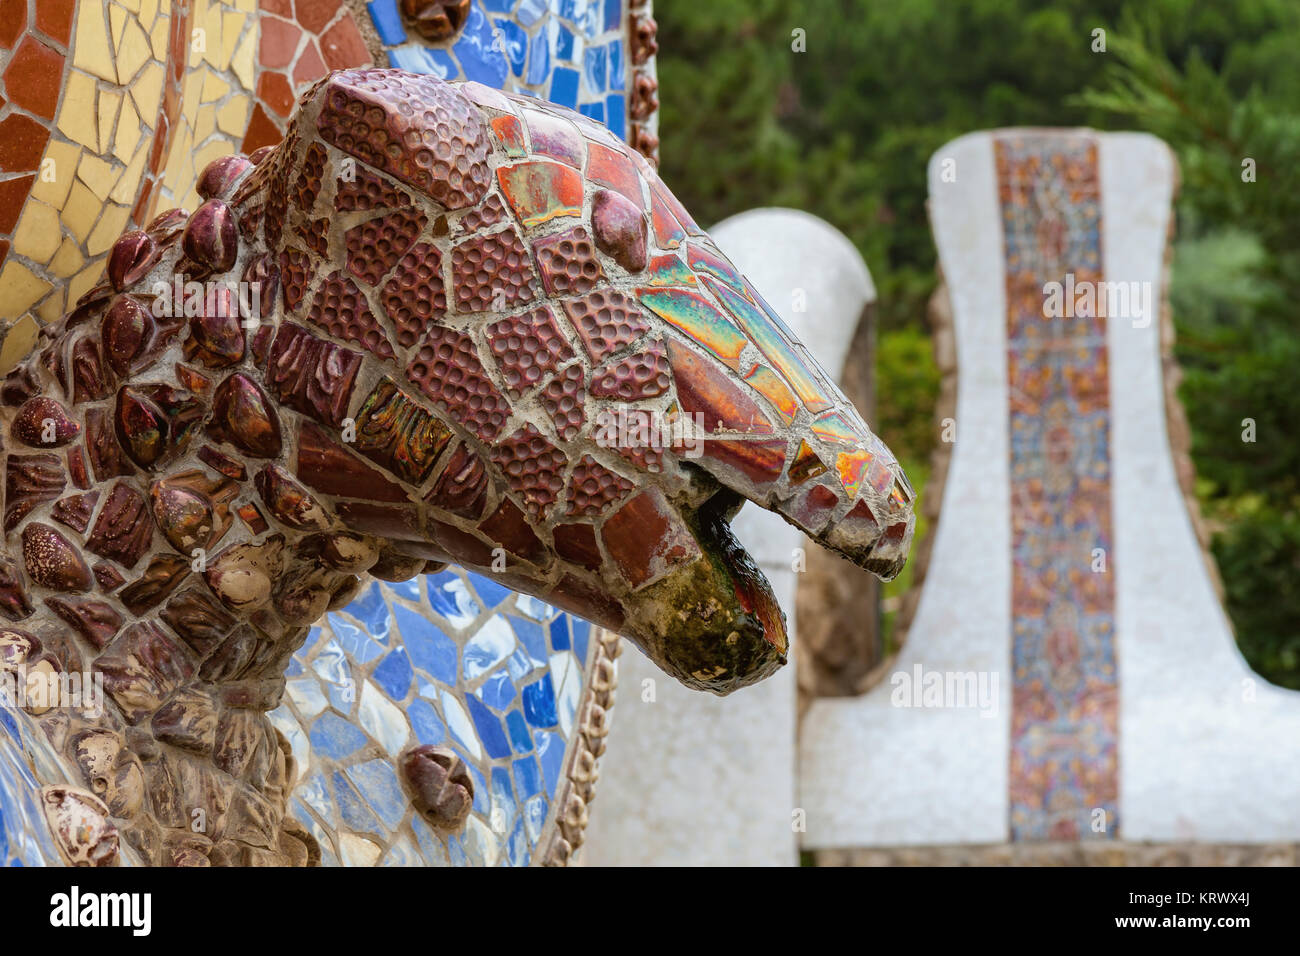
<point x="844" y="130"/>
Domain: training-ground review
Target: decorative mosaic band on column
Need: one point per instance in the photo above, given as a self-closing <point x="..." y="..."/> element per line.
<point x="1065" y="697"/>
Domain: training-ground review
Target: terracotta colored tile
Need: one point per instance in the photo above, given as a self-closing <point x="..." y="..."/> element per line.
<point x="262" y="131"/>
<point x="33" y="77"/>
<point x="540" y="191"/>
<point x="314" y="14"/>
<point x="614" y="169"/>
<point x="668" y="232"/>
<point x="509" y="528"/>
<point x="4" y="249"/>
<point x="704" y="389"/>
<point x="329" y="467"/>
<point x="279" y="43"/>
<point x="646" y="540"/>
<point x="13" y="193"/>
<point x="760" y="461"/>
<point x="13" y="18"/>
<point x="699" y="319"/>
<point x="310" y="67"/>
<point x="273" y="89"/>
<point x="343" y="47"/>
<point x="281" y="8"/>
<point x="22" y="141"/>
<point x="54" y="18"/>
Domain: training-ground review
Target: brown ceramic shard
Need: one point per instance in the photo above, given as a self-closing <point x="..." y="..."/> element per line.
<point x="52" y="561"/>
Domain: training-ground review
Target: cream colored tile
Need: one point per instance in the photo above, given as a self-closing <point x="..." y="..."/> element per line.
<point x="77" y="114"/>
<point x="132" y="5"/>
<point x="147" y="90"/>
<point x="243" y="63"/>
<point x="19" y="340"/>
<point x="92" y="51"/>
<point x="232" y="26"/>
<point x="232" y="119"/>
<point x="116" y="22"/>
<point x="98" y="174"/>
<point x="81" y="210"/>
<point x="158" y="38"/>
<point x="50" y="308"/>
<point x="38" y="234"/>
<point x="85" y="280"/>
<point x="249" y="6"/>
<point x="190" y="90"/>
<point x="110" y="227"/>
<point x="106" y="115"/>
<point x="132" y="53"/>
<point x="19" y="289"/>
<point x="175" y="175"/>
<point x="67" y="260"/>
<point x="214" y="87"/>
<point x="129" y="182"/>
<point x="58" y="170"/>
<point x="212" y="23"/>
<point x="128" y="133"/>
<point x="148" y="10"/>
<point x="204" y="127"/>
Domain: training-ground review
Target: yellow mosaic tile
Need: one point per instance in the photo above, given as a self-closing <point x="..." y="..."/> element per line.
<point x="111" y="225"/>
<point x="128" y="133"/>
<point x="50" y="308"/>
<point x="132" y="5"/>
<point x="80" y="211"/>
<point x="92" y="51"/>
<point x="84" y="281"/>
<point x="18" y="342"/>
<point x="147" y="90"/>
<point x="148" y="10"/>
<point x="77" y="113"/>
<point x="214" y="87"/>
<point x="98" y="174"/>
<point x="58" y="170"/>
<point x="106" y="114"/>
<point x="204" y="127"/>
<point x="128" y="186"/>
<point x="158" y="38"/>
<point x="20" y="288"/>
<point x="116" y="21"/>
<point x="38" y="233"/>
<point x="245" y="59"/>
<point x="67" y="260"/>
<point x="193" y="85"/>
<point x="211" y="20"/>
<point x="231" y="27"/>
<point x="232" y="119"/>
<point x="246" y="5"/>
<point x="132" y="53"/>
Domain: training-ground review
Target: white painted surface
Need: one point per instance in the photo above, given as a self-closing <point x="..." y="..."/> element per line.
<point x="1208" y="751"/>
<point x="873" y="774"/>
<point x="693" y="779"/>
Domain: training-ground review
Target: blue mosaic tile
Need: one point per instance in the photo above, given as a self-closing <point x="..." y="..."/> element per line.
<point x="550" y="750"/>
<point x="388" y="21"/>
<point x="616" y="114"/>
<point x="394" y="674"/>
<point x="451" y="598"/>
<point x="372" y="612"/>
<point x="535" y="817"/>
<point x="352" y="807"/>
<point x="355" y="642"/>
<point x="498" y="6"/>
<point x="514" y="41"/>
<point x="478" y="52"/>
<point x="560" y="633"/>
<point x="539" y="55"/>
<point x="336" y="738"/>
<point x="489" y="591"/>
<point x="581" y="631"/>
<point x="498" y="691"/>
<point x="594" y="63"/>
<point x="613" y="15"/>
<point x="493" y="643"/>
<point x="503" y="798"/>
<point x="521" y="665"/>
<point x="564" y="87"/>
<point x="533" y="638"/>
<point x="429" y="648"/>
<point x="489" y="729"/>
<point x="482" y="805"/>
<point x="528" y="776"/>
<point x="566" y="45"/>
<point x="521" y="739"/>
<point x="379" y="785"/>
<point x="595" y="110"/>
<point x="517" y="848"/>
<point x="530" y="11"/>
<point x="428" y="727"/>
<point x="617" y="75"/>
<point x="539" y="703"/>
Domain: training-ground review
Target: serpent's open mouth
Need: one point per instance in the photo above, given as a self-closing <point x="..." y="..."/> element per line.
<point x="752" y="588"/>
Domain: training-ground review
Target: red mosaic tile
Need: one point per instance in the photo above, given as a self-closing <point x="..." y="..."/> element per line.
<point x="22" y="143"/>
<point x="510" y="134"/>
<point x="33" y="78"/>
<point x="704" y="389"/>
<point x="642" y="375"/>
<point x="556" y="137"/>
<point x="262" y="130"/>
<point x="576" y="543"/>
<point x="327" y="466"/>
<point x="509" y="528"/>
<point x="646" y="540"/>
<point x="568" y="262"/>
<point x="310" y="68"/>
<point x="607" y="321"/>
<point x="527" y="347"/>
<point x="532" y="466"/>
<point x="342" y="45"/>
<point x="13" y="18"/>
<point x="613" y="168"/>
<point x="541" y="190"/>
<point x="315" y="14"/>
<point x="760" y="461"/>
<point x="593" y="488"/>
<point x="698" y="318"/>
<point x="274" y="90"/>
<point x="279" y="42"/>
<point x="13" y="193"/>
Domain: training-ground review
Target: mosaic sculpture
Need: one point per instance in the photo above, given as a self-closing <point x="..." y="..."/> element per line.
<point x="438" y="323"/>
<point x="137" y="98"/>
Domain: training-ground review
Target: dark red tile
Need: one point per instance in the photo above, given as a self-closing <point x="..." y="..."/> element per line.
<point x="262" y="131"/>
<point x="273" y="89"/>
<point x="704" y="389"/>
<point x="13" y="193"/>
<point x="646" y="540"/>
<point x="22" y="142"/>
<point x="329" y="467"/>
<point x="13" y="18"/>
<point x="54" y="18"/>
<point x="314" y="14"/>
